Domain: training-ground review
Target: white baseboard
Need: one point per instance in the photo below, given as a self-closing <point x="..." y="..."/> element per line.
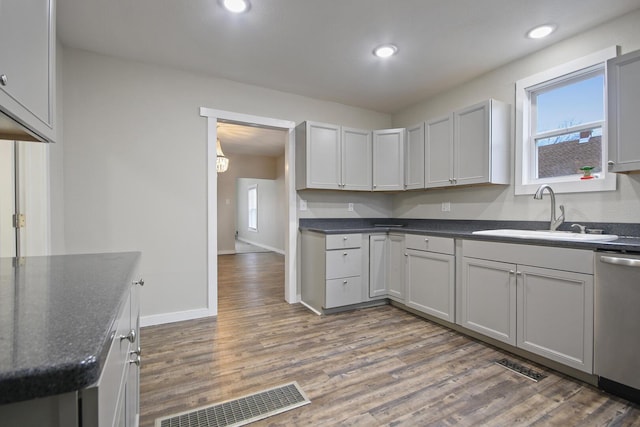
<point x="227" y="252"/>
<point x="260" y="245"/>
<point x="178" y="316"/>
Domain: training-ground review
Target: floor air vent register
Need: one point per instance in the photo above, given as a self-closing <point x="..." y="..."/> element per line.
<point x="242" y="411"/>
<point x="521" y="369"/>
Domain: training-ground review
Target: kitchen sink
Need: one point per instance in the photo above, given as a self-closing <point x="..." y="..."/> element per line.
<point x="548" y="235"/>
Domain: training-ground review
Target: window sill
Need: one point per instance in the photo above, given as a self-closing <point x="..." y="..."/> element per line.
<point x="608" y="183"/>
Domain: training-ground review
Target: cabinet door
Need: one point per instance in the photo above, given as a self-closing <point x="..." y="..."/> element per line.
<point x="472" y="144"/>
<point x="378" y="265"/>
<point x="430" y="284"/>
<point x="439" y="152"/>
<point x="623" y="75"/>
<point x="323" y="156"/>
<point x="388" y="160"/>
<point x="555" y="315"/>
<point x="489" y="298"/>
<point x="356" y="159"/>
<point x="414" y="158"/>
<point x="395" y="274"/>
<point x="27" y="48"/>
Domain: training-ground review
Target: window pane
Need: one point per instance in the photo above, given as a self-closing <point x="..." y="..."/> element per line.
<point x="569" y="105"/>
<point x="565" y="154"/>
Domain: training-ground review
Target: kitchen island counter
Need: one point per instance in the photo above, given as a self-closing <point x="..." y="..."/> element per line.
<point x="56" y="320"/>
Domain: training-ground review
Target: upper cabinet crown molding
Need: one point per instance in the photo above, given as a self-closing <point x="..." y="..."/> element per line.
<point x="27" y="70"/>
<point x="623" y="82"/>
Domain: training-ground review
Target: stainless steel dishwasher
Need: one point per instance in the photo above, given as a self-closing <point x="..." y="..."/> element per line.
<point x="617" y="324"/>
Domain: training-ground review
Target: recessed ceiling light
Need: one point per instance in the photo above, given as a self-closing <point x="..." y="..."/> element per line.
<point x="236" y="6"/>
<point x="541" y="31"/>
<point x="385" y="51"/>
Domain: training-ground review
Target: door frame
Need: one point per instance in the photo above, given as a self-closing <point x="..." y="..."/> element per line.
<point x="291" y="230"/>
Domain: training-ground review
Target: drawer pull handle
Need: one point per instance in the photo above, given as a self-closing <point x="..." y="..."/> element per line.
<point x="137" y="360"/>
<point x="344" y="254"/>
<point x="344" y="282"/>
<point x="139" y="282"/>
<point x="131" y="336"/>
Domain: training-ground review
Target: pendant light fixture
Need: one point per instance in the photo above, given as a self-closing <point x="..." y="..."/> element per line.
<point x="222" y="163"/>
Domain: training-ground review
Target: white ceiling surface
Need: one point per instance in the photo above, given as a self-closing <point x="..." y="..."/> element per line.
<point x="250" y="140"/>
<point x="322" y="48"/>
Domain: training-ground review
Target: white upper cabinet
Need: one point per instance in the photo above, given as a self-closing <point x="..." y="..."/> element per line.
<point x="471" y="146"/>
<point x="27" y="65"/>
<point x="623" y="74"/>
<point x="414" y="158"/>
<point x="332" y="157"/>
<point x="388" y="159"/>
<point x="438" y="152"/>
<point x="356" y="159"/>
<point x="318" y="157"/>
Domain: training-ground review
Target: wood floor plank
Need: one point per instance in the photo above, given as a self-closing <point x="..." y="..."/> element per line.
<point x="369" y="367"/>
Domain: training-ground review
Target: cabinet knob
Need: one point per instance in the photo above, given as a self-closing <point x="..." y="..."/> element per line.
<point x="137" y="360"/>
<point x="406" y="254"/>
<point x="611" y="163"/>
<point x="138" y="282"/>
<point x="131" y="336"/>
<point x="426" y="240"/>
<point x="344" y="254"/>
<point x="512" y="272"/>
<point x="345" y="238"/>
<point x="137" y="351"/>
<point x="518" y="273"/>
<point x="344" y="282"/>
<point x="4" y="80"/>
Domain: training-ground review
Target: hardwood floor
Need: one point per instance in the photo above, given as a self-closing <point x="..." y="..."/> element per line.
<point x="371" y="367"/>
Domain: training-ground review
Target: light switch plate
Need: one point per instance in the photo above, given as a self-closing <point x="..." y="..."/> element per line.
<point x="303" y="205"/>
<point x="350" y="207"/>
<point x="446" y="206"/>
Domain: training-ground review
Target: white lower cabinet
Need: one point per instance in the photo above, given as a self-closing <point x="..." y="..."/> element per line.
<point x="386" y="266"/>
<point x="537" y="298"/>
<point x="430" y="275"/>
<point x="332" y="270"/>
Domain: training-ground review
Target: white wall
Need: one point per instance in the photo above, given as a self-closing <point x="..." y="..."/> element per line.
<point x="240" y="166"/>
<point x="135" y="164"/>
<point x="500" y="202"/>
<point x="271" y="223"/>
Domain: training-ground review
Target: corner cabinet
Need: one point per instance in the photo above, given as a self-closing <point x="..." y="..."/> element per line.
<point x="470" y="146"/>
<point x="537" y="298"/>
<point x="332" y="157"/>
<point x="388" y="159"/>
<point x="386" y="266"/>
<point x="27" y="67"/>
<point x="414" y="158"/>
<point x="623" y="82"/>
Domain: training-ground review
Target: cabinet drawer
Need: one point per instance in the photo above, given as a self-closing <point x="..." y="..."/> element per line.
<point x="343" y="291"/>
<point x="343" y="241"/>
<point x="344" y="263"/>
<point x="442" y="245"/>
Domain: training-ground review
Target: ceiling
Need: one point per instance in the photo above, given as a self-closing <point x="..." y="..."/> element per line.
<point x="251" y="140"/>
<point x="323" y="48"/>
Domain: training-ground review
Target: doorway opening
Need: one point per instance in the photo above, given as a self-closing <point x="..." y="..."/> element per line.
<point x="215" y="117"/>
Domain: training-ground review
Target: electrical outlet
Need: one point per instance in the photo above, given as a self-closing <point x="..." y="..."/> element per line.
<point x="350" y="207"/>
<point x="303" y="205"/>
<point x="446" y="206"/>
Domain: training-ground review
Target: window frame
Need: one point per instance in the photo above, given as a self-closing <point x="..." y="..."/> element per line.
<point x="525" y="160"/>
<point x="250" y="189"/>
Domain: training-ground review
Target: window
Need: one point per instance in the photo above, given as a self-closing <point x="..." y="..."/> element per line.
<point x="252" y="204"/>
<point x="561" y="133"/>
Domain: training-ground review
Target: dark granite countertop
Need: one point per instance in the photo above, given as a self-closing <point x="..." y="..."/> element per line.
<point x="628" y="241"/>
<point x="56" y="317"/>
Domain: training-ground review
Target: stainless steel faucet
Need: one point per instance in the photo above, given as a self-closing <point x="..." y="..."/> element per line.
<point x="555" y="222"/>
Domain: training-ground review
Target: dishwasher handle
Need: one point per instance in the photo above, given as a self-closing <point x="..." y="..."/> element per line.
<point x="627" y="262"/>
